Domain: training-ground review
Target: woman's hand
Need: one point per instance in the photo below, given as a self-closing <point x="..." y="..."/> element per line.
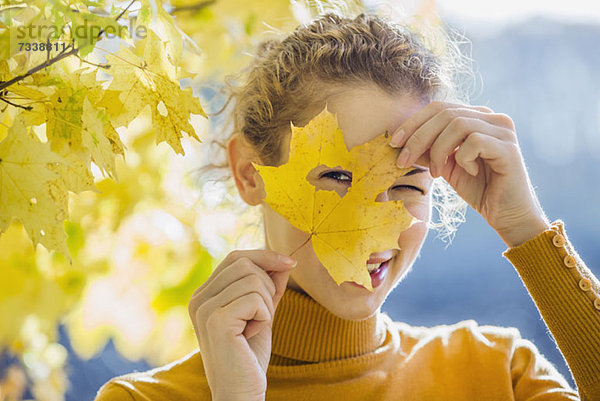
<point x="487" y="170"/>
<point x="232" y="314"/>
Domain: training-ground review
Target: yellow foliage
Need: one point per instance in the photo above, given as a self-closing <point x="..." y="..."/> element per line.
<point x="33" y="187"/>
<point x="56" y="126"/>
<point x="153" y="81"/>
<point x="27" y="290"/>
<point x="226" y="30"/>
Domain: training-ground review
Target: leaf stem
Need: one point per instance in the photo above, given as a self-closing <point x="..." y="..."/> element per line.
<point x="301" y="245"/>
<point x="105" y="66"/>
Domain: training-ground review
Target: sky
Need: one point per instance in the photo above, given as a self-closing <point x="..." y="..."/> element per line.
<point x="490" y="15"/>
<point x="507" y="10"/>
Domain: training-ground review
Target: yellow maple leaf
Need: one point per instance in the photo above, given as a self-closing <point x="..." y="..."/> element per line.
<point x="34" y="184"/>
<point x="76" y="112"/>
<point x="346" y="229"/>
<point x="146" y="77"/>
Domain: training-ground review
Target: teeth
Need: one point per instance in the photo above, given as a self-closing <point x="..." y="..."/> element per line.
<point x="372" y="267"/>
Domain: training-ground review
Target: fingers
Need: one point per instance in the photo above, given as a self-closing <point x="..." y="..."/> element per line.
<point x="230" y="321"/>
<point x="454" y="134"/>
<point x="266" y="260"/>
<point x="424" y="114"/>
<point x="439" y="128"/>
<point x="240" y="274"/>
<point x="249" y="298"/>
<point x="227" y="276"/>
<point x="496" y="153"/>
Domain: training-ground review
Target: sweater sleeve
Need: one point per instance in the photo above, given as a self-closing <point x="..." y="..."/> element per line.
<point x="535" y="378"/>
<point x="112" y="391"/>
<point x="567" y="294"/>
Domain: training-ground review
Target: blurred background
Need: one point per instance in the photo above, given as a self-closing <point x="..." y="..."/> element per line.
<point x="144" y="244"/>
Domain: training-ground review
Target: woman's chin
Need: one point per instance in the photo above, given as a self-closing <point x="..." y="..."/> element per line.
<point x="350" y="300"/>
<point x="354" y="302"/>
<point x="356" y="310"/>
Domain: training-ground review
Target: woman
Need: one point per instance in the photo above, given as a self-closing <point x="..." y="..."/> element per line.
<point x="280" y="328"/>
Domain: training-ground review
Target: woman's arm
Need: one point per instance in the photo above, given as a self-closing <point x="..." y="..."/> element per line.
<point x="536" y="378"/>
<point x="477" y="152"/>
<point x="567" y="295"/>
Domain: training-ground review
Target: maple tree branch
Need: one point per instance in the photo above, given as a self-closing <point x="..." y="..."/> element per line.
<point x="63" y="54"/>
<point x="35" y="69"/>
<point x="16" y="105"/>
<point x="124" y="11"/>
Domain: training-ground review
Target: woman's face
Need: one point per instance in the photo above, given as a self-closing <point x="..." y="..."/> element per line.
<point x="363" y="114"/>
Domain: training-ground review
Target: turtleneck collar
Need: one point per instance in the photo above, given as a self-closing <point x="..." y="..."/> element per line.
<point x="305" y="331"/>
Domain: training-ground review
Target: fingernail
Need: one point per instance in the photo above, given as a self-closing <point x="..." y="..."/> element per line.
<point x="403" y="157"/>
<point x="396" y="138"/>
<point x="289" y="260"/>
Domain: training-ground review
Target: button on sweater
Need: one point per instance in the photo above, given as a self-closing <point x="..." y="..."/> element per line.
<point x="317" y="355"/>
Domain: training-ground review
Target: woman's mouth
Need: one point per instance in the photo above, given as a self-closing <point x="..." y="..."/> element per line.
<point x="377" y="271"/>
<point x="371" y="267"/>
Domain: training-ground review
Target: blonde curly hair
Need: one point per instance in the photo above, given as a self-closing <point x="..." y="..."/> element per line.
<point x="303" y="68"/>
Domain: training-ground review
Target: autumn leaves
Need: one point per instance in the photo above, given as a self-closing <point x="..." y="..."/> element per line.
<point x="78" y="112"/>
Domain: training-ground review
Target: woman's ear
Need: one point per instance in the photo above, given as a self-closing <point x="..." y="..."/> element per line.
<point x="247" y="180"/>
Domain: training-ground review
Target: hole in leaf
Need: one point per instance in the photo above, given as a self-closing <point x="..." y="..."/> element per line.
<point x="330" y="179"/>
<point x="162" y="109"/>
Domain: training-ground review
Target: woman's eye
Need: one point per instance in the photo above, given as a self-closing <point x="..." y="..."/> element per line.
<point x="338" y="176"/>
<point x="347" y="178"/>
<point x="408" y="187"/>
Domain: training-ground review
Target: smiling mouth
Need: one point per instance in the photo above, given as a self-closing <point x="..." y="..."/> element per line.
<point x="374" y="263"/>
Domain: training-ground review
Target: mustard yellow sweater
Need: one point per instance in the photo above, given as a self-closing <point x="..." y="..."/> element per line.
<point x="319" y="356"/>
